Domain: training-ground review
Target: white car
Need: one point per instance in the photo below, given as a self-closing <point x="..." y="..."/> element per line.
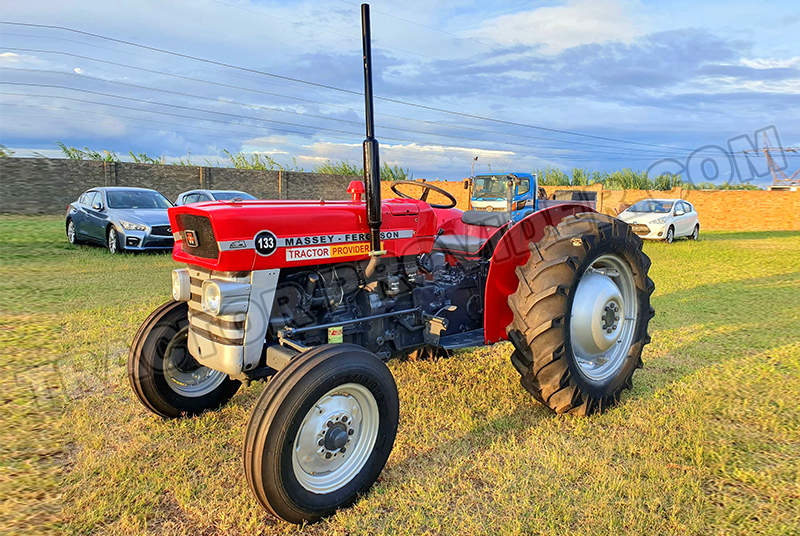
<point x="198" y="196"/>
<point x="662" y="219"/>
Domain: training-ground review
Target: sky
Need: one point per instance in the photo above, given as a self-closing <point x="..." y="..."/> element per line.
<point x="674" y="86"/>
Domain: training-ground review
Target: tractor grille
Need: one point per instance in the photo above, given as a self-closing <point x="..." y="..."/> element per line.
<point x="161" y="230"/>
<point x="204" y="236"/>
<point x="641" y="229"/>
<point x="228" y="329"/>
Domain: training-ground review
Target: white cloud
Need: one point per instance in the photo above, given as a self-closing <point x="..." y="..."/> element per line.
<point x="770" y="63"/>
<point x="578" y="22"/>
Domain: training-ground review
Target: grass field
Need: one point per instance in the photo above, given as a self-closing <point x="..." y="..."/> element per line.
<point x="708" y="441"/>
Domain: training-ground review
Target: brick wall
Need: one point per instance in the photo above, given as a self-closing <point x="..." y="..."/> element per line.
<point x="48" y="185"/>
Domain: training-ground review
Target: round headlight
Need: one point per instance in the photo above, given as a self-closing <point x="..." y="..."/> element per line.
<point x="211" y="297"/>
<point x="181" y="285"/>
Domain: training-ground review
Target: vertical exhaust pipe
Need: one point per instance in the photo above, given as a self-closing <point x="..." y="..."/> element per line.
<point x="372" y="165"/>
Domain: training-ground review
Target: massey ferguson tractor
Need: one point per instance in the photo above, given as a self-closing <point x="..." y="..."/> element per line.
<point x="317" y="296"/>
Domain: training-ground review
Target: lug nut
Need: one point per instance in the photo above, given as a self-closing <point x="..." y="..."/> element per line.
<point x="327" y="455"/>
<point x="321" y="442"/>
<point x="608" y="330"/>
<point x="330" y="423"/>
<point x="343" y="450"/>
<point x="615" y="326"/>
<point x="344" y="418"/>
<point x="350" y="431"/>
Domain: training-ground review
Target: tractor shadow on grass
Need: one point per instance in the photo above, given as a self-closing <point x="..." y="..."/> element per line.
<point x="698" y="328"/>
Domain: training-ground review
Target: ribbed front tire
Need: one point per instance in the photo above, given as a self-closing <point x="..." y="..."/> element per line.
<point x="550" y="353"/>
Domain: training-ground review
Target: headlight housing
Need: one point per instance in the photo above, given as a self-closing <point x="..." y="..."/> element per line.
<point x="659" y="221"/>
<point x="225" y="297"/>
<point x="130" y="226"/>
<point x="181" y="285"/>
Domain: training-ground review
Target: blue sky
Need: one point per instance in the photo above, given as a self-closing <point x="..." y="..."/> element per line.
<point x="630" y="84"/>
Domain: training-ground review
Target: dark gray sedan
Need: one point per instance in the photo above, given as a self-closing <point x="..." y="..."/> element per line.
<point x="122" y="219"/>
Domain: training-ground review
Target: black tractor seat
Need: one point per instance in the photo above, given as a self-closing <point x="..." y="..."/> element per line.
<point x="468" y="244"/>
<point x="459" y="243"/>
<point x="485" y="219"/>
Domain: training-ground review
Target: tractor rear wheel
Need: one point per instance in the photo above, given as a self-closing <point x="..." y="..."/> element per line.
<point x="321" y="432"/>
<point x="581" y="312"/>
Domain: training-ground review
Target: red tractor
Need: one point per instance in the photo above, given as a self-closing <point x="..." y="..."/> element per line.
<point x="318" y="295"/>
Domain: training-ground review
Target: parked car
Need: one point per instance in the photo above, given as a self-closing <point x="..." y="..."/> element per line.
<point x="197" y="196"/>
<point x="122" y="219"/>
<point x="662" y="219"/>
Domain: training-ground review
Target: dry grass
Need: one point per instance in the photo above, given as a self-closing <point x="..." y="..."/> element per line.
<point x="708" y="442"/>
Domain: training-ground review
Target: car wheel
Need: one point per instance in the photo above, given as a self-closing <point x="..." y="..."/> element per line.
<point x="72" y="234"/>
<point x="670" y="235"/>
<point x="695" y="234"/>
<point x="112" y="241"/>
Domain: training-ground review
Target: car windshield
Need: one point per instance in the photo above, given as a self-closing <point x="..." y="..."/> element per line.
<point x="490" y="186"/>
<point x="227" y="196"/>
<point x="136" y="199"/>
<point x="649" y="205"/>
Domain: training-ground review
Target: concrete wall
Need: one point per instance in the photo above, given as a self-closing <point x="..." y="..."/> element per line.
<point x="48" y="185"/>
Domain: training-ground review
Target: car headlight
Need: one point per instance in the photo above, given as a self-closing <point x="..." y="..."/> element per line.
<point x="659" y="221"/>
<point x="225" y="297"/>
<point x="132" y="226"/>
<point x="181" y="285"/>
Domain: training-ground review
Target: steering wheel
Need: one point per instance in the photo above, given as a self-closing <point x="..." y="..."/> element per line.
<point x="426" y="190"/>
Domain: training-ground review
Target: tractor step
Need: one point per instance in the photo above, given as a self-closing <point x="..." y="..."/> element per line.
<point x="466" y="339"/>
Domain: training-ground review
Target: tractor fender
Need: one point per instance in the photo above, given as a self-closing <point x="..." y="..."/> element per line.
<point x="512" y="251"/>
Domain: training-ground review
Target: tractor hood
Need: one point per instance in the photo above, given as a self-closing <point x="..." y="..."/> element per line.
<point x="260" y="235"/>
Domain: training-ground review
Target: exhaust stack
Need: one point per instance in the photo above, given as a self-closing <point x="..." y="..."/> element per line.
<point x="372" y="165"/>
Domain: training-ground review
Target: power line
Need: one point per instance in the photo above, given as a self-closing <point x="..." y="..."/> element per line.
<point x="415" y="142"/>
<point x="348" y="91"/>
<point x="299" y="99"/>
<point x="195" y="128"/>
<point x="217" y="101"/>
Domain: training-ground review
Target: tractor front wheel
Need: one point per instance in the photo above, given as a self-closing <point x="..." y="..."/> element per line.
<point x="581" y="312"/>
<point x="321" y="432"/>
<point x="163" y="374"/>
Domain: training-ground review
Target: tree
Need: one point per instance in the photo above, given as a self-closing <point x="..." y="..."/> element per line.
<point x="259" y="161"/>
<point x="5" y="152"/>
<point x="87" y="154"/>
<point x="142" y="158"/>
<point x="388" y="173"/>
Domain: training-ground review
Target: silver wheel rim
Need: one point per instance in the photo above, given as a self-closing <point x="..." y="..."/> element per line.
<point x="112" y="240"/>
<point x="71" y="232"/>
<point x="336" y="438"/>
<point x="670" y="234"/>
<point x="695" y="233"/>
<point x="603" y="317"/>
<point x="188" y="381"/>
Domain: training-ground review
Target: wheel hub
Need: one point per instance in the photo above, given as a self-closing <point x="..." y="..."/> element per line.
<point x="336" y="438"/>
<point x="603" y="320"/>
<point x="595" y="312"/>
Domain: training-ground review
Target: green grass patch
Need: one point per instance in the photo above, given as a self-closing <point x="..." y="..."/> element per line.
<point x="708" y="441"/>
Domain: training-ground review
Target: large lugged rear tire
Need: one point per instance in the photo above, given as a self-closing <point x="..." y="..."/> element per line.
<point x="581" y="313"/>
<point x="321" y="432"/>
<point x="164" y="376"/>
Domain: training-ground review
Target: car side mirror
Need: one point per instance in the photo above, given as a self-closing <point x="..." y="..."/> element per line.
<point x="98" y="206"/>
<point x="466" y="184"/>
<point x="679" y="212"/>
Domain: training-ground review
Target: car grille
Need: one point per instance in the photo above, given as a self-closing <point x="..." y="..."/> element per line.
<point x="227" y="329"/>
<point x="206" y="242"/>
<point x="161" y="230"/>
<point x="641" y="229"/>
